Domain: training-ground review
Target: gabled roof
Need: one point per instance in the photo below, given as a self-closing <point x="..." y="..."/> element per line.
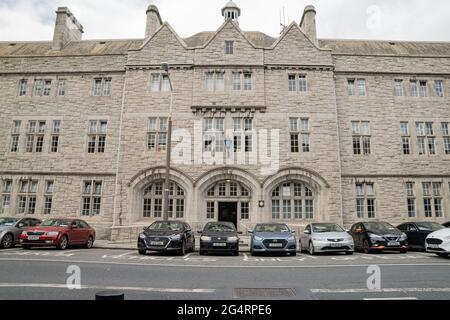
<point x="258" y="39"/>
<point x="287" y="30"/>
<point x="162" y="27"/>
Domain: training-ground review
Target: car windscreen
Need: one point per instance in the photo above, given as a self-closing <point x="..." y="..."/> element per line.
<point x="220" y="227"/>
<point x="8" y="222"/>
<point x="166" y="226"/>
<point x="379" y="227"/>
<point x="56" y="223"/>
<point x="327" y="227"/>
<point x="272" y="228"/>
<point x="429" y="226"/>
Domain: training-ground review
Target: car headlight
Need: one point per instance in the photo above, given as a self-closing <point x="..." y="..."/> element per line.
<point x="142" y="236"/>
<point x="52" y="234"/>
<point x="24" y="233"/>
<point x="291" y="238"/>
<point x="256" y="238"/>
<point x="233" y="239"/>
<point x="403" y="237"/>
<point x="375" y="237"/>
<point x="204" y="238"/>
<point x="319" y="239"/>
<point x="175" y="237"/>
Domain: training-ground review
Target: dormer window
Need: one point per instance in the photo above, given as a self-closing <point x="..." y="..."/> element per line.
<point x="229" y="47"/>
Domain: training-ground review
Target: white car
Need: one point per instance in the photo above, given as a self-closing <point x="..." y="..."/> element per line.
<point x="439" y="242"/>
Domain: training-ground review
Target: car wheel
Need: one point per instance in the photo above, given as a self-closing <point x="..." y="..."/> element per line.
<point x="183" y="248"/>
<point x="403" y="251"/>
<point x="142" y="252"/>
<point x="7" y="241"/>
<point x="293" y="254"/>
<point x="63" y="243"/>
<point x="90" y="243"/>
<point x="25" y="247"/>
<point x="366" y="247"/>
<point x="443" y="255"/>
<point x="311" y="249"/>
<point x="349" y="253"/>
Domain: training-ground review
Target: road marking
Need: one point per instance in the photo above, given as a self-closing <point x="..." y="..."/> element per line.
<point x="387" y="290"/>
<point x="187" y="255"/>
<point x="63" y="286"/>
<point x="230" y="266"/>
<point x="390" y="299"/>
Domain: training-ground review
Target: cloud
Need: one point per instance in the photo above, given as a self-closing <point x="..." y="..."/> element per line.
<point x="22" y="20"/>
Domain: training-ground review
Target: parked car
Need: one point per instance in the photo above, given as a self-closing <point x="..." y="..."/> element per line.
<point x="273" y="238"/>
<point x="11" y="228"/>
<point x="167" y="236"/>
<point x="378" y="236"/>
<point x="60" y="233"/>
<point x="447" y="224"/>
<point x="439" y="242"/>
<point x="417" y="232"/>
<point x="219" y="237"/>
<point x="326" y="237"/>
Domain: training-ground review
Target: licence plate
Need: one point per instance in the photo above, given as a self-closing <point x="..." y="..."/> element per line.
<point x="393" y="244"/>
<point x="157" y="243"/>
<point x="433" y="246"/>
<point x="276" y="245"/>
<point x="219" y="244"/>
<point x="33" y="238"/>
<point x="336" y="245"/>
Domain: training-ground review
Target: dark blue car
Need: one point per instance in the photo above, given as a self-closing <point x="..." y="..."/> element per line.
<point x="273" y="238"/>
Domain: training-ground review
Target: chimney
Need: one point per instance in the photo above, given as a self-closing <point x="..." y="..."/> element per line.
<point x="67" y="29"/>
<point x="153" y="21"/>
<point x="308" y="24"/>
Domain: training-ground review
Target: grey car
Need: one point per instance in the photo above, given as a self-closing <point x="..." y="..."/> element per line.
<point x="326" y="237"/>
<point x="11" y="228"/>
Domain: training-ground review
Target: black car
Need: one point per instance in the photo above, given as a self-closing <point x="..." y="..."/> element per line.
<point x="219" y="237"/>
<point x="167" y="236"/>
<point x="374" y="236"/>
<point x="417" y="232"/>
<point x="447" y="224"/>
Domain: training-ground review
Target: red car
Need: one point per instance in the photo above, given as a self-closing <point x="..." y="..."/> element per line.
<point x="60" y="233"/>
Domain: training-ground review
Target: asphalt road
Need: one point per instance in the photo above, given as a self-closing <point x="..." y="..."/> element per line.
<point x="42" y="274"/>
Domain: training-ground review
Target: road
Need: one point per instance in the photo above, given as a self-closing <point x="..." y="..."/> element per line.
<point x="42" y="274"/>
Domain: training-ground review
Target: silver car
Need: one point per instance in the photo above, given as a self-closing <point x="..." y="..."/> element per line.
<point x="11" y="228"/>
<point x="326" y="237"/>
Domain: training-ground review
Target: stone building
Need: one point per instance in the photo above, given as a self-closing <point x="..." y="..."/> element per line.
<point x="291" y="128"/>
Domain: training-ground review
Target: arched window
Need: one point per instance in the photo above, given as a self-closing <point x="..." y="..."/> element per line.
<point x="292" y="201"/>
<point x="153" y="201"/>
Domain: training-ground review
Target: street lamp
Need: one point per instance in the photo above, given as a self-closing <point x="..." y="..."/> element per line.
<point x="165" y="67"/>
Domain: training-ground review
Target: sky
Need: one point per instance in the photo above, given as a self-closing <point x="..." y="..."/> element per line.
<point x="413" y="20"/>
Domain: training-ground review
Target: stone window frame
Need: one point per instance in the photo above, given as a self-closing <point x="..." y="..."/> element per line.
<point x="6" y="195"/>
<point x="27" y="196"/>
<point x="213" y="135"/>
<point x="299" y="83"/>
<point x="23" y="87"/>
<point x="35" y="137"/>
<point x="351" y="87"/>
<point x="242" y="81"/>
<point x="102" y="86"/>
<point x="423" y="89"/>
<point x="55" y="136"/>
<point x="281" y="201"/>
<point x="399" y="90"/>
<point x="439" y="88"/>
<point x="426" y="138"/>
<point x="61" y="87"/>
<point x="91" y="197"/>
<point x="406" y="138"/>
<point x="300" y="134"/>
<point x="48" y="196"/>
<point x="356" y="87"/>
<point x="157" y="131"/>
<point x="366" y="202"/>
<point x="15" y="136"/>
<point x="153" y="200"/>
<point x="361" y="140"/>
<point x="243" y="136"/>
<point x="433" y="205"/>
<point x="413" y="88"/>
<point x="96" y="137"/>
<point x="42" y="87"/>
<point x="230" y="47"/>
<point x="411" y="199"/>
<point x="214" y="77"/>
<point x="445" y="127"/>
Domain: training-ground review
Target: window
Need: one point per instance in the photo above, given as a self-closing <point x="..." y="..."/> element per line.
<point x="294" y="135"/>
<point x="209" y="81"/>
<point x="398" y="88"/>
<point x="245" y="210"/>
<point x="425" y="138"/>
<point x="210" y="210"/>
<point x="248" y="84"/>
<point x="215" y="81"/>
<point x="97" y="136"/>
<point x="229" y="47"/>
<point x="155" y="82"/>
<point x="102" y="86"/>
<point x="38" y="87"/>
<point x="27" y="197"/>
<point x="237" y="81"/>
<point x="213" y="134"/>
<point x="411" y="200"/>
<point x="423" y="89"/>
<point x="413" y="87"/>
<point x="299" y="127"/>
<point x="294" y="200"/>
<point x="47" y="87"/>
<point x="154" y="197"/>
<point x="157" y="134"/>
<point x="92" y="198"/>
<point x="35" y="136"/>
<point x="23" y="87"/>
<point x="243" y="128"/>
<point x="61" y="87"/>
<point x="220" y="81"/>
<point x="55" y="136"/>
<point x="361" y="137"/>
<point x="15" y="136"/>
<point x="48" y="197"/>
<point x="165" y="85"/>
<point x="365" y="200"/>
<point x="5" y="204"/>
<point x="292" y="82"/>
<point x="446" y="136"/>
<point x="432" y="199"/>
<point x="362" y="87"/>
<point x="438" y="90"/>
<point x="406" y="140"/>
<point x="351" y="87"/>
<point x="302" y="83"/>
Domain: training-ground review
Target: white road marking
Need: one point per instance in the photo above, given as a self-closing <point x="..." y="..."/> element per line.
<point x="387" y="290"/>
<point x="187" y="255"/>
<point x="324" y="266"/>
<point x="63" y="286"/>
<point x="390" y="299"/>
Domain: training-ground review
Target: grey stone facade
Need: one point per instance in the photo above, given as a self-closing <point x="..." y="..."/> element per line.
<point x="127" y="167"/>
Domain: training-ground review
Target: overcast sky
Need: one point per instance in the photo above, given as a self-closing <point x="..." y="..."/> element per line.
<point x="421" y="20"/>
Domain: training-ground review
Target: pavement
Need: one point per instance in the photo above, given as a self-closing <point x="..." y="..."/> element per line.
<point x="43" y="274"/>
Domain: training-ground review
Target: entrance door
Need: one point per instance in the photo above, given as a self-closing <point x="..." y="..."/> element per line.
<point x="228" y="212"/>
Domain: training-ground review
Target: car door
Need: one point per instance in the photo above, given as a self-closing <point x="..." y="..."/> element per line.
<point x="75" y="233"/>
<point x="84" y="231"/>
<point x="413" y="235"/>
<point x="357" y="236"/>
<point x="20" y="226"/>
<point x="421" y="237"/>
<point x="405" y="229"/>
<point x="190" y="240"/>
<point x="306" y="237"/>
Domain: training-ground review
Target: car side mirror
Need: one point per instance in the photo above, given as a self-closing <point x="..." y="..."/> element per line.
<point x="307" y="232"/>
<point x="250" y="231"/>
<point x="346" y="230"/>
<point x="74" y="226"/>
<point x="20" y="225"/>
